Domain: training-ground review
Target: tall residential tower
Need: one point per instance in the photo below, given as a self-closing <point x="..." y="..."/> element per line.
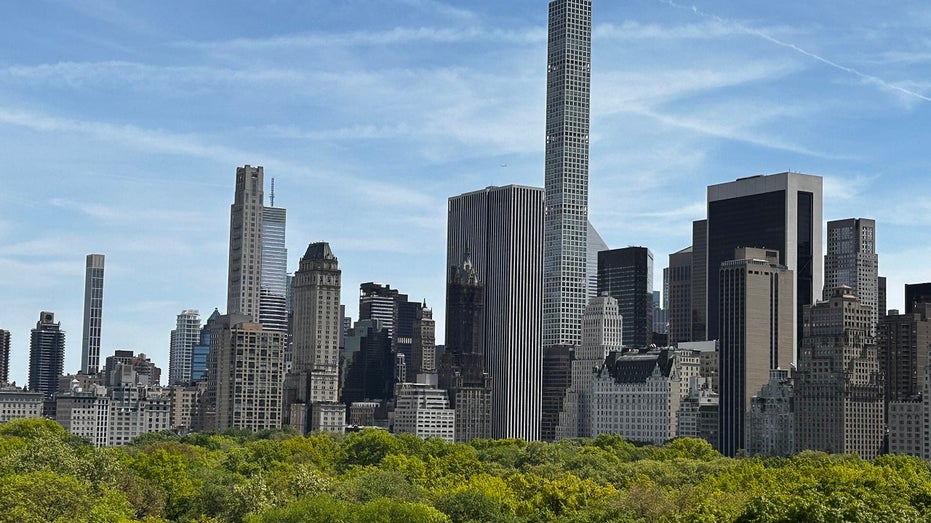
<point x="245" y="258"/>
<point x="568" y="81"/>
<point x="93" y="314"/>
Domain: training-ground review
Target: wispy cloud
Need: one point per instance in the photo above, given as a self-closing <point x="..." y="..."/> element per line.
<point x="864" y="77"/>
<point x="395" y="36"/>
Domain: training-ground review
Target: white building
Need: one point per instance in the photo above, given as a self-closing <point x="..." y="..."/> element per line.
<point x="16" y="403"/>
<point x="637" y="396"/>
<point x="423" y="410"/>
<point x="181" y="352"/>
<point x="601" y="334"/>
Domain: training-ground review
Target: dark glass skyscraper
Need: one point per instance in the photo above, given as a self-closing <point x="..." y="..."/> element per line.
<point x="627" y="276"/>
<point x="777" y="212"/>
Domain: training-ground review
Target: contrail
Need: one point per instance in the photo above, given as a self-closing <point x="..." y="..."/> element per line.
<point x="875" y="80"/>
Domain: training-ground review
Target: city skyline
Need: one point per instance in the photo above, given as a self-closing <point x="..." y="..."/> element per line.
<point x="368" y="131"/>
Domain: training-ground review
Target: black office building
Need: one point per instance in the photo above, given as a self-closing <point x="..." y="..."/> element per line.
<point x="627" y="276"/>
<point x="776" y="212"/>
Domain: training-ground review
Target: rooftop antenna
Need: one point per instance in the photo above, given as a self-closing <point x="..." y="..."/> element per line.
<point x="273" y="192"/>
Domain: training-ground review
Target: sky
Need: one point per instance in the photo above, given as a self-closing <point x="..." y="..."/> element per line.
<point x="122" y="124"/>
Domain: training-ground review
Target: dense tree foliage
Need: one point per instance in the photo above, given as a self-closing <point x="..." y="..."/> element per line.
<point x="372" y="476"/>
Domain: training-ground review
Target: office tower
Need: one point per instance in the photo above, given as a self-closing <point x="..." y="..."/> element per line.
<point x="423" y="343"/>
<point x="637" y="395"/>
<point x="46" y="354"/>
<point x="462" y="365"/>
<point x="557" y="379"/>
<point x="903" y="342"/>
<point x="181" y="352"/>
<point x="699" y="281"/>
<point x="838" y="384"/>
<point x="93" y="313"/>
<point x="757" y="309"/>
<point x="851" y="260"/>
<point x="244" y="375"/>
<point x="601" y="335"/>
<point x="502" y="228"/>
<point x="201" y="350"/>
<point x="595" y="245"/>
<point x="679" y="296"/>
<point x="780" y="212"/>
<point x="368" y="364"/>
<point x="380" y="302"/>
<point x="4" y="356"/>
<point x="402" y="335"/>
<point x="916" y="293"/>
<point x="273" y="299"/>
<point x="698" y="412"/>
<point x="314" y="375"/>
<point x="627" y="276"/>
<point x="245" y="260"/>
<point x="568" y="92"/>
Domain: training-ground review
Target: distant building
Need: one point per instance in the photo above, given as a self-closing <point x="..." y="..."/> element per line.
<point x="851" y="261"/>
<point x="17" y="404"/>
<point x="367" y="364"/>
<point x="93" y="313"/>
<point x="698" y="412"/>
<point x="4" y="356"/>
<point x="423" y="341"/>
<point x="557" y="378"/>
<point x="46" y="354"/>
<point x="601" y="335"/>
<point x="595" y="245"/>
<point x="124" y="366"/>
<point x="423" y="410"/>
<point x="627" y="276"/>
<point x="906" y="427"/>
<point x="838" y="384"/>
<point x="185" y="400"/>
<point x="771" y="421"/>
<point x="756" y="328"/>
<point x="903" y="342"/>
<point x="699" y="290"/>
<point x="245" y="246"/>
<point x="273" y="305"/>
<point x="916" y="293"/>
<point x="679" y="296"/>
<point x="201" y="350"/>
<point x="637" y="395"/>
<point x="502" y="228"/>
<point x="181" y="352"/>
<point x="244" y="375"/>
<point x="314" y="374"/>
<point x="778" y="212"/>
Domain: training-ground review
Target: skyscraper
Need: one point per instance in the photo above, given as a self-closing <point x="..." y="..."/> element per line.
<point x="780" y="212"/>
<point x="851" y="260"/>
<point x="502" y="228"/>
<point x="183" y="339"/>
<point x="245" y="258"/>
<point x="568" y="92"/>
<point x="679" y="296"/>
<point x="46" y="354"/>
<point x="93" y="314"/>
<point x="423" y="343"/>
<point x="627" y="276"/>
<point x="4" y="356"/>
<point x="312" y="385"/>
<point x="273" y="306"/>
<point x="757" y="312"/>
<point x="699" y="281"/>
<point x="838" y="384"/>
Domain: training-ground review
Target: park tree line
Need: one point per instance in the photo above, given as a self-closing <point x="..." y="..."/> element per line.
<point x="48" y="475"/>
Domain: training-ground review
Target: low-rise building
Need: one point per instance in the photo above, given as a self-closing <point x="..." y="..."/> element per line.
<point x="423" y="410"/>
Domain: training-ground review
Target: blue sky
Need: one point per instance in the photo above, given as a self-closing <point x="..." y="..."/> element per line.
<point x="122" y="123"/>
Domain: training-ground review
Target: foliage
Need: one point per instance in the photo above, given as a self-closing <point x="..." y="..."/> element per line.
<point x="373" y="476"/>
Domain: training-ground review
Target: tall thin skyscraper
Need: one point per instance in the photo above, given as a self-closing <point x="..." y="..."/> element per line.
<point x="181" y="352"/>
<point x="780" y="212"/>
<point x="757" y="313"/>
<point x="568" y="92"/>
<point x="46" y="354"/>
<point x="93" y="314"/>
<point x="4" y="356"/>
<point x="679" y="296"/>
<point x="502" y="229"/>
<point x="273" y="305"/>
<point x="245" y="259"/>
<point x="851" y="260"/>
<point x="312" y="385"/>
